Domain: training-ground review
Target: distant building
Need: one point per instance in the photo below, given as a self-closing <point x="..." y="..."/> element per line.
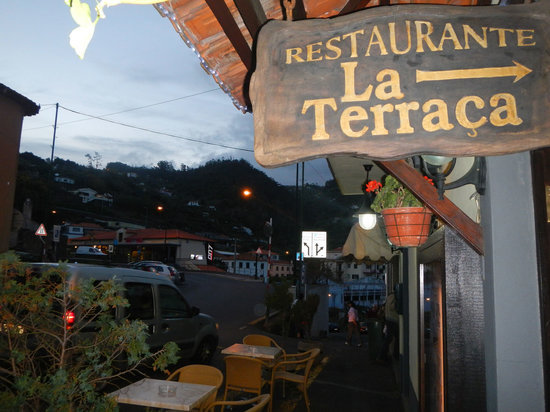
<point x="362" y="283"/>
<point x="170" y="246"/>
<point x="65" y="180"/>
<point x="255" y="263"/>
<point x="88" y="195"/>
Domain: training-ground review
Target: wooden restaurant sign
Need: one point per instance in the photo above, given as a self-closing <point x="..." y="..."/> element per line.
<point x="390" y="82"/>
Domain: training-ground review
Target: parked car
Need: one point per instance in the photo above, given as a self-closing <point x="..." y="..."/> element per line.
<point x="159" y="268"/>
<point x="179" y="277"/>
<point x="159" y="304"/>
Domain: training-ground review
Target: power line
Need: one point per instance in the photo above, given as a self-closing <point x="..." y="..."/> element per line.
<point x="159" y="133"/>
<point x="129" y="110"/>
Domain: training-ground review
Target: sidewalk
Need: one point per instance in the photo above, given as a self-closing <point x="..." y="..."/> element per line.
<point x="345" y="379"/>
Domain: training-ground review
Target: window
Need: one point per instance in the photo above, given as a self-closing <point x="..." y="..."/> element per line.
<point x="240" y="265"/>
<point x="140" y="298"/>
<point x="248" y="265"/>
<point x="172" y="304"/>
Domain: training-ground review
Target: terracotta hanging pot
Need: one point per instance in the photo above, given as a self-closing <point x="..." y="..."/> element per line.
<point x="407" y="226"/>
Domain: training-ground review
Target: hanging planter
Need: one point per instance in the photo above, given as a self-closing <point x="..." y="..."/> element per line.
<point x="406" y="219"/>
<point x="407" y="226"/>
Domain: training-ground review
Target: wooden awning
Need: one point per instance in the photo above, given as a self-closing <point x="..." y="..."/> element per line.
<point x="222" y="32"/>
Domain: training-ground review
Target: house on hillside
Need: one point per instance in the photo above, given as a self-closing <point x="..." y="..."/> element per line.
<point x="168" y="245"/>
<point x="88" y="195"/>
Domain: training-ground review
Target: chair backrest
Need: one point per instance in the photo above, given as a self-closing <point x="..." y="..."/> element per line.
<point x="201" y="374"/>
<point x="313" y="353"/>
<point x="257" y="403"/>
<point x="243" y="374"/>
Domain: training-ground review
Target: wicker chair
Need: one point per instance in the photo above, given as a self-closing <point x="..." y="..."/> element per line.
<point x="244" y="374"/>
<point x="201" y="374"/>
<point x="296" y="369"/>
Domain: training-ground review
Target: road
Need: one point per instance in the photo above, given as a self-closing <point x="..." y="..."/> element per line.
<point x="233" y="302"/>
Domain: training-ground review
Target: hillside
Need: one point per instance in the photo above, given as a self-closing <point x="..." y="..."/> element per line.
<point x="206" y="199"/>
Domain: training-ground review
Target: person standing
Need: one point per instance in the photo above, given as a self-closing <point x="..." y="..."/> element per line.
<point x="353" y="324"/>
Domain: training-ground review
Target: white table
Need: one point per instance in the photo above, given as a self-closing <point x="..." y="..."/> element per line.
<point x="268" y="353"/>
<point x="146" y="393"/>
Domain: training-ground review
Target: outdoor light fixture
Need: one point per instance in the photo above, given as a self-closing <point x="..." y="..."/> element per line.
<point x="438" y="168"/>
<point x="367" y="217"/>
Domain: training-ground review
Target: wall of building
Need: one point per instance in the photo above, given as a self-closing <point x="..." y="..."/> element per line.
<point x="514" y="369"/>
<point x="10" y="135"/>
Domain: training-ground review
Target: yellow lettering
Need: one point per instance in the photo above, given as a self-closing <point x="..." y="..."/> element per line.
<point x="349" y="84"/>
<point x="353" y="41"/>
<point x="469" y="32"/>
<point x="462" y="117"/>
<point x="509" y="110"/>
<point x="378" y="41"/>
<point x="294" y="53"/>
<point x="449" y="34"/>
<point x="523" y="36"/>
<point x="311" y="51"/>
<point x="392" y="84"/>
<point x="353" y="114"/>
<point x="424" y="36"/>
<point x="393" y="40"/>
<point x="441" y="114"/>
<point x="404" y="119"/>
<point x="337" y="51"/>
<point x="319" y="105"/>
<point x="501" y="35"/>
<point x="378" y="111"/>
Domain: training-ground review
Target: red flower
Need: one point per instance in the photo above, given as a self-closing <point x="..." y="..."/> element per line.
<point x="429" y="180"/>
<point x="372" y="185"/>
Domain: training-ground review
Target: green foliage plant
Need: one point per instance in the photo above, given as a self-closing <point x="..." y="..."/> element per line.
<point x="48" y="365"/>
<point x="279" y="299"/>
<point x="303" y="312"/>
<point x="394" y="194"/>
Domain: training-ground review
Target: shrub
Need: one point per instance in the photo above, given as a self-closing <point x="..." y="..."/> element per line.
<point x="47" y="364"/>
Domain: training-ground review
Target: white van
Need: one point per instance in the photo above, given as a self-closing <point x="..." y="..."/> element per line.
<point x="89" y="251"/>
<point x="160" y="305"/>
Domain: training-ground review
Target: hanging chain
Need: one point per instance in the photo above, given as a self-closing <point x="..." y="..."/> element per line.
<point x="289" y="7"/>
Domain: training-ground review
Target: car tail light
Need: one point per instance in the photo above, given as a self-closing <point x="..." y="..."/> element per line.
<point x="69" y="319"/>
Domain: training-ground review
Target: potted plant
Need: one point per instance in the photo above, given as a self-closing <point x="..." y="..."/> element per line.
<point x="407" y="220"/>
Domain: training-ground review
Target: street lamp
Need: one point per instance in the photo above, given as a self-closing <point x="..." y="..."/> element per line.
<point x="160" y="209"/>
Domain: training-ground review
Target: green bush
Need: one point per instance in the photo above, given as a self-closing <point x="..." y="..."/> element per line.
<point x="45" y="364"/>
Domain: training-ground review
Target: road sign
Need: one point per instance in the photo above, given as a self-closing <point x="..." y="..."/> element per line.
<point x="41" y="231"/>
<point x="56" y="233"/>
<point x="314" y="244"/>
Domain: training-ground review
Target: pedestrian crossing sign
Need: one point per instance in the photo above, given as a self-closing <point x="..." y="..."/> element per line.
<point x="41" y="231"/>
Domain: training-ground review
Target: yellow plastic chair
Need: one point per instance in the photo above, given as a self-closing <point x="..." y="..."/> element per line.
<point x="257" y="403"/>
<point x="296" y="369"/>
<point x="244" y="374"/>
<point x="262" y="340"/>
<point x="201" y="374"/>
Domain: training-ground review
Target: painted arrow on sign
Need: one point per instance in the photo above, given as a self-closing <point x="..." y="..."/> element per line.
<point x="518" y="71"/>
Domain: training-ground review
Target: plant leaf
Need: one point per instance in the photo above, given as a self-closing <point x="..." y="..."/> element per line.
<point x="80" y="38"/>
<point x="80" y="12"/>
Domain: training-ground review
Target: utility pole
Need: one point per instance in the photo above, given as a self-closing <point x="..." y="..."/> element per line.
<point x="54" y="130"/>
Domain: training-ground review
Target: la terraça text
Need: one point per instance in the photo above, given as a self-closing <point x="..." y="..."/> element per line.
<point x="357" y="117"/>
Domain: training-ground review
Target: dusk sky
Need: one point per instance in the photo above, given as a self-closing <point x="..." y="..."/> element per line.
<point x="137" y="71"/>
